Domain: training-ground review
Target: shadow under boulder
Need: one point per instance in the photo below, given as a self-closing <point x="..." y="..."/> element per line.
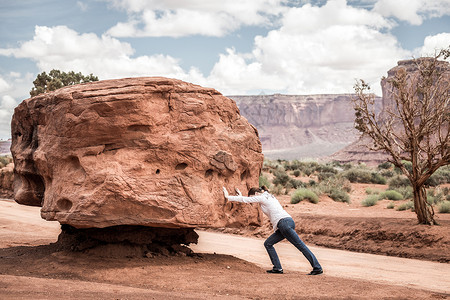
<point x="128" y="241"/>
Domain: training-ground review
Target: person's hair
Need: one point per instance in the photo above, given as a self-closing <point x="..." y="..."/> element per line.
<point x="253" y="190"/>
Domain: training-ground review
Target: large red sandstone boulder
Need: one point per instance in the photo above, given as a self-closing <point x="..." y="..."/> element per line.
<point x="137" y="151"/>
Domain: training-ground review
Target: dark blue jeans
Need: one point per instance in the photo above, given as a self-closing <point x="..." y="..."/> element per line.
<point x="286" y="229"/>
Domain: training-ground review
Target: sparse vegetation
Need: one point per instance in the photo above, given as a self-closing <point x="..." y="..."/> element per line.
<point x="405" y="206"/>
<point x="334" y="180"/>
<point x="370" y="191"/>
<point x="263" y="180"/>
<point x="406" y="191"/>
<point x="398" y="182"/>
<point x="339" y="195"/>
<point x="337" y="188"/>
<point x="371" y="200"/>
<point x="304" y="194"/>
<point x="444" y="207"/>
<point x="362" y="175"/>
<point x="391" y="205"/>
<point x="5" y="160"/>
<point x="391" y="195"/>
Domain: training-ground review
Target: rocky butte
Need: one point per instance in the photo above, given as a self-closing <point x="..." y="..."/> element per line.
<point x="301" y="126"/>
<point x="152" y="152"/>
<point x="358" y="151"/>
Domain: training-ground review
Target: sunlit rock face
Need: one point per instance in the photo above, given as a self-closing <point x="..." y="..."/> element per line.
<point x="138" y="151"/>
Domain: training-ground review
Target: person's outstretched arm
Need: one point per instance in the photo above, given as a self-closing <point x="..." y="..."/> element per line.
<point x="240" y="198"/>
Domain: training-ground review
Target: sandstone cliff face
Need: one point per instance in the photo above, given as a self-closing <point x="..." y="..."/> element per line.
<point x="137" y="151"/>
<point x="296" y="126"/>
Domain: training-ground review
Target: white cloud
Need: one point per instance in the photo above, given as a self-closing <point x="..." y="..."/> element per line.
<point x="82" y="5"/>
<point x="316" y="50"/>
<point x="7" y="105"/>
<point x="177" y="18"/>
<point x="12" y="86"/>
<point x="4" y="86"/>
<point x="433" y="44"/>
<point x="106" y="57"/>
<point x="14" y="74"/>
<point x="234" y="74"/>
<point x="413" y="11"/>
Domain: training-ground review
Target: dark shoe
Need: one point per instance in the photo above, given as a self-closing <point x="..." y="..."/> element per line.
<point x="275" y="271"/>
<point x="316" y="272"/>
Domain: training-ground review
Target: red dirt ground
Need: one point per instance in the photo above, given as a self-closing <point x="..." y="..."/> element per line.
<point x="33" y="268"/>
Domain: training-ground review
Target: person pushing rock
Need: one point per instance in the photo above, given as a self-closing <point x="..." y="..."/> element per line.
<point x="283" y="227"/>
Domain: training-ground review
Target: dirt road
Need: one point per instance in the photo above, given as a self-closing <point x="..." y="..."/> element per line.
<point x="30" y="269"/>
<point x="376" y="268"/>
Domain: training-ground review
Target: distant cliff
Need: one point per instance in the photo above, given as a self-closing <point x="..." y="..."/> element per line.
<point x="300" y="126"/>
<point x="4" y="147"/>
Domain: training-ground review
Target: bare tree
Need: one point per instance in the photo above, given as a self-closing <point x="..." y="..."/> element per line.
<point x="414" y="123"/>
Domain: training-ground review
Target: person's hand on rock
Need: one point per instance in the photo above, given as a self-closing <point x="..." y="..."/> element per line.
<point x="238" y="191"/>
<point x="225" y="192"/>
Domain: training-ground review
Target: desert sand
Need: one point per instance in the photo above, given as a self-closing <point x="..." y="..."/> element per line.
<point x="225" y="267"/>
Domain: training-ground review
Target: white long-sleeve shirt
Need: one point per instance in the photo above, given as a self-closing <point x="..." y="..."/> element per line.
<point x="269" y="205"/>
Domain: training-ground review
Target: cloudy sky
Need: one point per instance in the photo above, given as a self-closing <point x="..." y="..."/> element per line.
<point x="239" y="47"/>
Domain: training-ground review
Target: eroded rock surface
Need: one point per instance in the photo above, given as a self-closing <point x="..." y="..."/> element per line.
<point x="139" y="151"/>
<point x="299" y="126"/>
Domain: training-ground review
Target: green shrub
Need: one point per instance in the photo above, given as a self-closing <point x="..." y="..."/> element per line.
<point x="377" y="178"/>
<point x="347" y="166"/>
<point x="446" y="191"/>
<point x="263" y="180"/>
<point x="326" y="169"/>
<point x="277" y="189"/>
<point x="387" y="173"/>
<point x="370" y="191"/>
<point x="336" y="188"/>
<point x="308" y="171"/>
<point x="407" y="165"/>
<point x="391" y="205"/>
<point x="302" y="194"/>
<point x="281" y="177"/>
<point x="371" y="200"/>
<point x="385" y="166"/>
<point x="405" y="206"/>
<point x="339" y="195"/>
<point x="406" y="191"/>
<point x="441" y="176"/>
<point x="5" y="160"/>
<point x="435" y="196"/>
<point x="325" y="176"/>
<point x="297" y="173"/>
<point x="444" y="207"/>
<point x="357" y="175"/>
<point x="363" y="176"/>
<point x="391" y="195"/>
<point x="296" y="183"/>
<point x="398" y="181"/>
